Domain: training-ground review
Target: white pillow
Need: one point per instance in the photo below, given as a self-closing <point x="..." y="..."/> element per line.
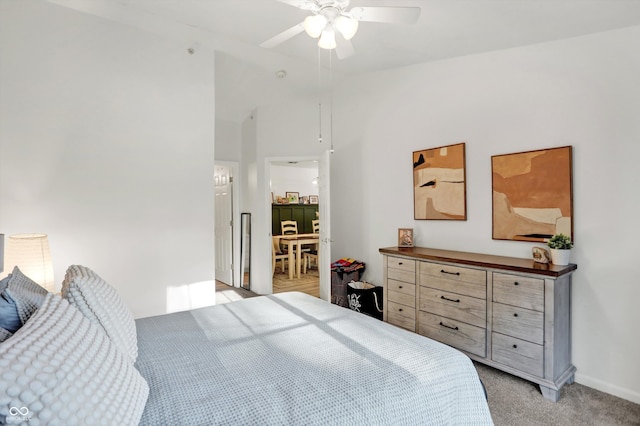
<point x="4" y="334"/>
<point x="26" y="294"/>
<point x="59" y="368"/>
<point x="100" y="302"/>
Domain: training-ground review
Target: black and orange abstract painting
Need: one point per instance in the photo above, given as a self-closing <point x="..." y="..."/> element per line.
<point x="439" y="186"/>
<point x="532" y="194"/>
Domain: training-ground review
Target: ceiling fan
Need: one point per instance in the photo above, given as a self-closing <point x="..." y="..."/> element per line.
<point x="331" y="16"/>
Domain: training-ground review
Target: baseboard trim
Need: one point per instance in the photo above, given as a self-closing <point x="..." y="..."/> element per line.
<point x="623" y="393"/>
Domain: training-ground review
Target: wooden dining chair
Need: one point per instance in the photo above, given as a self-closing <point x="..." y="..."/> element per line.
<point x="288" y="227"/>
<point x="315" y="225"/>
<point x="307" y="257"/>
<point x="277" y="254"/>
<point x="312" y="254"/>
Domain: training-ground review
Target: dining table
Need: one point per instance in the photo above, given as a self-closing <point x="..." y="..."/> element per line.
<point x="294" y="244"/>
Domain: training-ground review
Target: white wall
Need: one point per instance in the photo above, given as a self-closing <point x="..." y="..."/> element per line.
<point x="228" y="140"/>
<point x="294" y="179"/>
<point x="581" y="92"/>
<point x="106" y="144"/>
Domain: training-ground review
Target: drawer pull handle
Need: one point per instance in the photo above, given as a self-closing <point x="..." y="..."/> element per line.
<point x="400" y="310"/>
<point x="515" y="346"/>
<point x="516" y="283"/>
<point x="399" y="286"/>
<point x="448" y="326"/>
<point x="450" y="300"/>
<point x="399" y="263"/>
<point x="515" y="315"/>
<point x="450" y="273"/>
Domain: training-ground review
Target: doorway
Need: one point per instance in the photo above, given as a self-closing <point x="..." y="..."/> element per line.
<point x="309" y="178"/>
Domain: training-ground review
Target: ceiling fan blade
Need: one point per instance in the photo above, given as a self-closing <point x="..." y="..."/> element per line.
<point x="391" y="14"/>
<point x="300" y="4"/>
<point x="283" y="36"/>
<point x="344" y="48"/>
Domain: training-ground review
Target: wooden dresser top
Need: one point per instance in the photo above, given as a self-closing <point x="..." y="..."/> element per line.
<point x="482" y="260"/>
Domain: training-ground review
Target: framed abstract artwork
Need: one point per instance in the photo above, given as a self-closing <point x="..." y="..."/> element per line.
<point x="439" y="183"/>
<point x="532" y="194"/>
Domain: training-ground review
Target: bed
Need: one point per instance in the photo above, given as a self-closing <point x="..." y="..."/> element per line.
<point x="285" y="359"/>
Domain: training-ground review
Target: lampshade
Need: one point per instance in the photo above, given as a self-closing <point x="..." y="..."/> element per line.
<point x="314" y="25"/>
<point x="1" y="252"/>
<point x="327" y="39"/>
<point x="30" y="253"/>
<point x="347" y="26"/>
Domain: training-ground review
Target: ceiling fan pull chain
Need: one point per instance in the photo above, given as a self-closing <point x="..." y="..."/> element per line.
<point x="319" y="98"/>
<point x="331" y="101"/>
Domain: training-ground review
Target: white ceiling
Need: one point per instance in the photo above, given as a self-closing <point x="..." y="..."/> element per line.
<point x="246" y="73"/>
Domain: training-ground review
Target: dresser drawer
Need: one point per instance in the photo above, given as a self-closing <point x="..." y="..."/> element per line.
<point x="458" y="334"/>
<point x="519" y="291"/>
<point x="401" y="287"/>
<point x="401" y="263"/>
<point x="520" y="354"/>
<point x="402" y="298"/>
<point x="455" y="306"/>
<point x="518" y="322"/>
<point x="401" y="315"/>
<point x="401" y="275"/>
<point x="455" y="279"/>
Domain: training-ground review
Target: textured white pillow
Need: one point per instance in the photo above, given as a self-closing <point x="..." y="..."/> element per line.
<point x="59" y="368"/>
<point x="25" y="293"/>
<point x="100" y="302"/>
<point x="4" y="334"/>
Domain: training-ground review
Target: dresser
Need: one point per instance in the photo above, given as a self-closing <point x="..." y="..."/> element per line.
<point x="510" y="313"/>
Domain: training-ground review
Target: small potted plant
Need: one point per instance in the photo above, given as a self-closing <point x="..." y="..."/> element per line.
<point x="560" y="245"/>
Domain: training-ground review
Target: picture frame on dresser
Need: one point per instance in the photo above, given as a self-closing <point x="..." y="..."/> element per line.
<point x="405" y="237"/>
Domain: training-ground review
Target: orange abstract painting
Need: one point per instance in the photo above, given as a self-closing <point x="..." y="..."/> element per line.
<point x="532" y="194"/>
<point x="439" y="187"/>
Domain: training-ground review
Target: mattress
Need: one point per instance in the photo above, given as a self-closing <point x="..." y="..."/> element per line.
<point x="292" y="359"/>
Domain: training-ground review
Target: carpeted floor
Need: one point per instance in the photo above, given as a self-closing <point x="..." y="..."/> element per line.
<point x="514" y="401"/>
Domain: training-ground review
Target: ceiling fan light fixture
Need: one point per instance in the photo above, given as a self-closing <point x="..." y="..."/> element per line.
<point x="327" y="39"/>
<point x="314" y="25"/>
<point x="347" y="26"/>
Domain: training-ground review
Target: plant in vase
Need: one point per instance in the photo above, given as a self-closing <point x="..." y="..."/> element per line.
<point x="560" y="245"/>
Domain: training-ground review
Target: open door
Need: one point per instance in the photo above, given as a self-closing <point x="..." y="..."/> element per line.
<point x="324" y="194"/>
<point x="223" y="180"/>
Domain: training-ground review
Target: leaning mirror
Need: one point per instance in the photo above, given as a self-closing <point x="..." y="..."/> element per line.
<point x="245" y="250"/>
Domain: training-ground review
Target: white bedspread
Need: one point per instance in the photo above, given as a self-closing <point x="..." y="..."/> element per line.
<point x="292" y="359"/>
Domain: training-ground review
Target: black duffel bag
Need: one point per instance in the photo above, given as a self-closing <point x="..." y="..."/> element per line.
<point x="366" y="298"/>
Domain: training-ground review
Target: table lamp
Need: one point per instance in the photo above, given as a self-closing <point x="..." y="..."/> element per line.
<point x="30" y="253"/>
<point x="1" y="252"/>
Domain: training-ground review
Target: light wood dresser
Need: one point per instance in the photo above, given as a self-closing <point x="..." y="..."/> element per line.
<point x="510" y="313"/>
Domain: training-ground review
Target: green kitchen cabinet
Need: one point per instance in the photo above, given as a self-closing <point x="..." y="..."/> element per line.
<point x="301" y="213"/>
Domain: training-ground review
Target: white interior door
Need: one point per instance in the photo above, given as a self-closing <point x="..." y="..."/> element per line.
<point x="324" y="208"/>
<point x="224" y="224"/>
